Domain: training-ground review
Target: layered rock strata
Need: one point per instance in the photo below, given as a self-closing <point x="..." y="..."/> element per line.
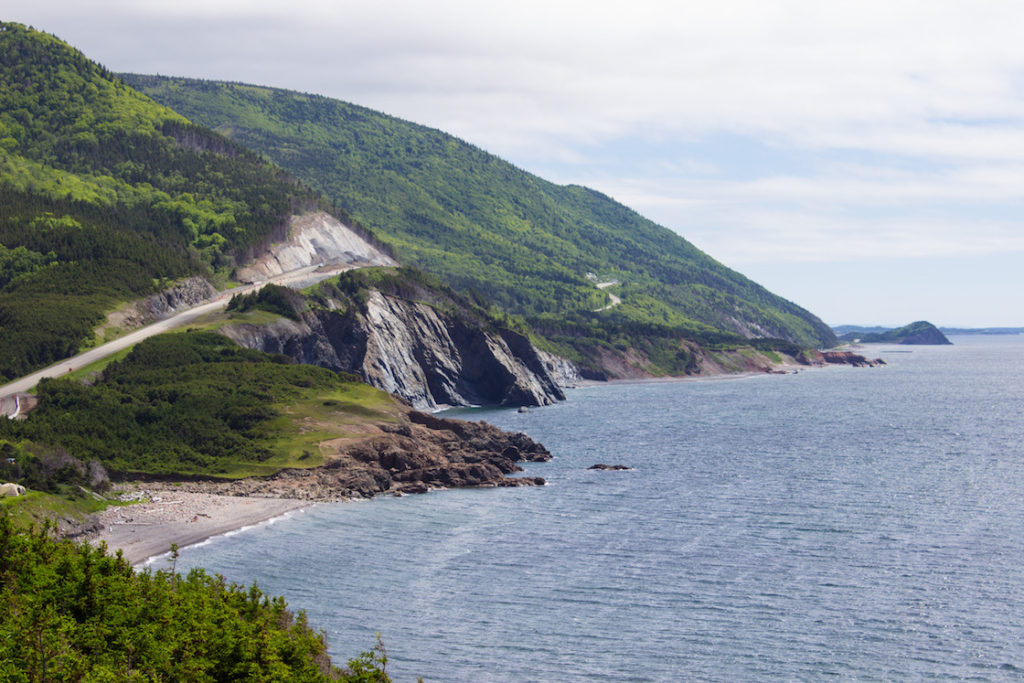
<point x="314" y="239"/>
<point x="417" y="352"/>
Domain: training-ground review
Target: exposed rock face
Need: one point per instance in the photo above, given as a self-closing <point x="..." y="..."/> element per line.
<point x="564" y="372"/>
<point x="314" y="239"/>
<point x="185" y="294"/>
<point x="414" y="456"/>
<point x="850" y="358"/>
<point x="412" y="350"/>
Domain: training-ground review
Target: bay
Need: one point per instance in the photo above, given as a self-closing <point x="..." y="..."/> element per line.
<point x="861" y="523"/>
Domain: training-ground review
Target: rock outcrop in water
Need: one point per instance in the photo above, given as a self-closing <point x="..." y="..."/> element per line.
<point x="419" y="453"/>
<point x="850" y="358"/>
<point x="429" y="355"/>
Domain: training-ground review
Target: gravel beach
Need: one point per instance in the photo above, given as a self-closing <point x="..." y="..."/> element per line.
<point x="165" y="516"/>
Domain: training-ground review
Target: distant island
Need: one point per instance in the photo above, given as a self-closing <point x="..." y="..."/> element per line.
<point x="920" y="332"/>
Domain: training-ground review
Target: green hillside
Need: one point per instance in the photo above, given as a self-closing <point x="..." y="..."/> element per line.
<point x="480" y="223"/>
<point x="920" y="332"/>
<point x="194" y="403"/>
<point x="106" y="195"/>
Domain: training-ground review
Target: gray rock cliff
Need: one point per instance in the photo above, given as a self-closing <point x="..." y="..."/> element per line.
<point x="314" y="238"/>
<point x="429" y="358"/>
<point x="184" y="294"/>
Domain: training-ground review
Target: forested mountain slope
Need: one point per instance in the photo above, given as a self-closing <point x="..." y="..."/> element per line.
<point x="479" y="222"/>
<point x="920" y="332"/>
<point x="105" y="196"/>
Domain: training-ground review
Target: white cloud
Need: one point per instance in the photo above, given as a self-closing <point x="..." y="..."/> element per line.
<point x="846" y="214"/>
<point x="930" y="94"/>
<point x="531" y="73"/>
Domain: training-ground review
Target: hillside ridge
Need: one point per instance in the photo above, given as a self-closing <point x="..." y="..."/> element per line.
<point x="921" y="332"/>
<point x="107" y="197"/>
<point x="479" y="223"/>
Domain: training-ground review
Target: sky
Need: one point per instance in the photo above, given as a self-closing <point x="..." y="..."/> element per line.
<point x="862" y="159"/>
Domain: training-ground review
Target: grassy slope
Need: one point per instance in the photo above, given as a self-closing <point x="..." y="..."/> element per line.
<point x="106" y="195"/>
<point x="479" y="222"/>
<point x="193" y="403"/>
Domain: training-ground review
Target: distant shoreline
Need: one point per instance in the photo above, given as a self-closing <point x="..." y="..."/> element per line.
<point x="678" y="378"/>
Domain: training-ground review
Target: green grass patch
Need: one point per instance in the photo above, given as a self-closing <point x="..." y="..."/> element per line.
<point x="94" y="369"/>
<point x="35" y="507"/>
<point x="305" y="424"/>
<point x="219" y="319"/>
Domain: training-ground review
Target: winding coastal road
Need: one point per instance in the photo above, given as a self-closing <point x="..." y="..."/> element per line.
<point x="10" y="405"/>
<point x="615" y="301"/>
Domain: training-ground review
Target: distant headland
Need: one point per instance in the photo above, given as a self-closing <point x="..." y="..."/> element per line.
<point x="921" y="332"/>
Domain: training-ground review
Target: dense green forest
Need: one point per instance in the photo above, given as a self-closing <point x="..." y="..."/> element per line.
<point x="105" y="196"/>
<point x="481" y="224"/>
<point x="189" y="403"/>
<point x="71" y="612"/>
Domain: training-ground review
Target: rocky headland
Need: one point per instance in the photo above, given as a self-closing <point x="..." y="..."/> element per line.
<point x="917" y="333"/>
<point x="416" y="453"/>
<point x="850" y="358"/>
<point x="424" y="354"/>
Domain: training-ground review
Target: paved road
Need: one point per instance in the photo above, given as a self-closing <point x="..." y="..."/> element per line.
<point x="615" y="301"/>
<point x="305" y="276"/>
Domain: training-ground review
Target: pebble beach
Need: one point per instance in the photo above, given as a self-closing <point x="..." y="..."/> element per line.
<point x="162" y="516"/>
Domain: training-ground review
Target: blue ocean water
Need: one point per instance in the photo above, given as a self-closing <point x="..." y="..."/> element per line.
<point x="845" y="523"/>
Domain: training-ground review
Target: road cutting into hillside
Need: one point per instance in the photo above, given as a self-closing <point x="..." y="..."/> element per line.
<point x="615" y="301"/>
<point x="301" y="276"/>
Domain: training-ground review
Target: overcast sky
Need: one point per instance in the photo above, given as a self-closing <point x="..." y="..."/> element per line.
<point x="863" y="159"/>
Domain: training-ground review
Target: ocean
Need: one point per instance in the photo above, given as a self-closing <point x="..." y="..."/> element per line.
<point x="852" y="523"/>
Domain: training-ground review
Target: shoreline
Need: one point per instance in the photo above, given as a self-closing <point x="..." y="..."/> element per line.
<point x="717" y="377"/>
<point x="784" y="368"/>
<point x="145" y="530"/>
<point x="192" y="513"/>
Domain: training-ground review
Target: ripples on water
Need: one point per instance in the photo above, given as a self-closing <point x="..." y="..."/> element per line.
<point x="858" y="523"/>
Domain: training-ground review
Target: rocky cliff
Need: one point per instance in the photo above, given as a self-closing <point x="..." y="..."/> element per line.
<point x="849" y="358"/>
<point x="315" y="238"/>
<point x="418" y="453"/>
<point x="184" y="294"/>
<point x="426" y="355"/>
